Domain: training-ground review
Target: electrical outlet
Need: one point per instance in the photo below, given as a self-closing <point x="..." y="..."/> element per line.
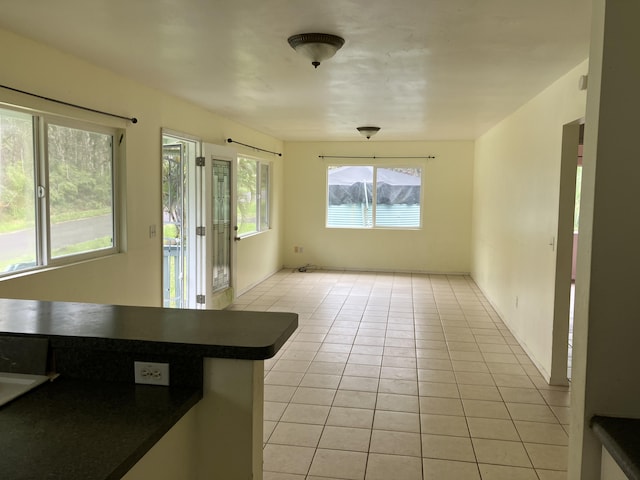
<point x="150" y="373"/>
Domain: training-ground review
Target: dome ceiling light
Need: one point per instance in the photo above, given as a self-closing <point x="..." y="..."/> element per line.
<point x="317" y="47"/>
<point x="368" y="131"/>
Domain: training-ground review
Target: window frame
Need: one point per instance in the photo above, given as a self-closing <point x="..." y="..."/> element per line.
<point x="374" y="196"/>
<point x="262" y="225"/>
<point x="41" y="122"/>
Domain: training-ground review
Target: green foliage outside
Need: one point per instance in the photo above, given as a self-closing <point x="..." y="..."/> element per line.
<point x="80" y="173"/>
<point x="89" y="246"/>
<point x="80" y="165"/>
<point x="16" y="170"/>
<point x="21" y="224"/>
<point x="576" y="213"/>
<point x="170" y="230"/>
<point x="247" y="195"/>
<point x="247" y="220"/>
<point x="173" y="181"/>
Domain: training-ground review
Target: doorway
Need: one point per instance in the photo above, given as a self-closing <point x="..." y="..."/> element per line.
<point x="178" y="221"/>
<point x="198" y="206"/>
<point x="574" y="255"/>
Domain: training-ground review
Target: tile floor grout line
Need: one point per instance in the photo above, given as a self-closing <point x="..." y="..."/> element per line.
<point x="453" y="304"/>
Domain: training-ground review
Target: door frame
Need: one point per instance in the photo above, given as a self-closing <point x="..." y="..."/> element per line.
<point x="189" y="217"/>
<point x="564" y="253"/>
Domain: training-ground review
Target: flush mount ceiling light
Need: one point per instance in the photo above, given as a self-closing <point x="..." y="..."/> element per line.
<point x="317" y="47"/>
<point x="368" y="131"/>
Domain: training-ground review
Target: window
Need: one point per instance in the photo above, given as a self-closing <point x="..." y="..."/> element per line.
<point x="57" y="200"/>
<point x="364" y="196"/>
<point x="253" y="196"/>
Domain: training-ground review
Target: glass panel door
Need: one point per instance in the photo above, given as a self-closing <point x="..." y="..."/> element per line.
<point x="221" y="211"/>
<point x="218" y="217"/>
<point x="197" y="220"/>
<point x="178" y="221"/>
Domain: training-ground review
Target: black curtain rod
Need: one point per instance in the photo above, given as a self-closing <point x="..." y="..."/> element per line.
<point x="230" y="140"/>
<point x="371" y="157"/>
<point x="131" y="119"/>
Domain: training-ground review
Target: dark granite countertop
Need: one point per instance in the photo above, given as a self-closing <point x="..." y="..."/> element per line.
<point x="195" y="333"/>
<point x="76" y="429"/>
<point x="621" y="438"/>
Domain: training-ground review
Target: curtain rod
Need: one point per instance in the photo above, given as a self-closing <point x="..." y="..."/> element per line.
<point x="372" y="157"/>
<point x="61" y="102"/>
<point x="230" y="140"/>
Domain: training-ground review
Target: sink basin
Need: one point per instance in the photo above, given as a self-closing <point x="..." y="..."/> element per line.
<point x="12" y="385"/>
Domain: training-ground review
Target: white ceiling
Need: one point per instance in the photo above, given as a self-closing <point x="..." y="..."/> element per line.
<point x="419" y="69"/>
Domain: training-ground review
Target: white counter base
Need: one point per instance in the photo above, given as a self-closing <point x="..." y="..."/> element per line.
<point x="219" y="438"/>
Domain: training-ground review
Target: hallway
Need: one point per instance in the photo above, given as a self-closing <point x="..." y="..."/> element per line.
<point x="403" y="376"/>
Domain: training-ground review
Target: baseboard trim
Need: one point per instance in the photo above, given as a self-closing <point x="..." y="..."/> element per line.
<point x="256" y="283"/>
<point x="371" y="270"/>
<point x="545" y="375"/>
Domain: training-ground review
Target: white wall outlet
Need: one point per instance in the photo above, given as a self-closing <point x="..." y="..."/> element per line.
<point x="150" y="373"/>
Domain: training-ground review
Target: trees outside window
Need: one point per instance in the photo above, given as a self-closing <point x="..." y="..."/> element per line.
<point x="57" y="201"/>
<point x="253" y="196"/>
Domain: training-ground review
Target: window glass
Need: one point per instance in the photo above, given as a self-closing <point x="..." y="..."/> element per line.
<point x="17" y="192"/>
<point x="350" y="196"/>
<point x="366" y="196"/>
<point x="576" y="212"/>
<point x="264" y="196"/>
<point x="80" y="190"/>
<point x="56" y="190"/>
<point x="253" y="196"/>
<point x="398" y="197"/>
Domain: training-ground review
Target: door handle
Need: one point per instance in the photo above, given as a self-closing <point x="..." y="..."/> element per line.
<point x="237" y="239"/>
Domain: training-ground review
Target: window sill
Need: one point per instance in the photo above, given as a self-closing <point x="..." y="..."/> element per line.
<point x="252" y="234"/>
<point x="48" y="268"/>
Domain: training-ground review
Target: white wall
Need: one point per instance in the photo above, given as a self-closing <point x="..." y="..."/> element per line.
<point x="442" y="245"/>
<point x="606" y="327"/>
<point x="133" y="277"/>
<point x="515" y="212"/>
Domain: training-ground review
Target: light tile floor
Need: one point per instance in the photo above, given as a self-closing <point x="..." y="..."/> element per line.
<point x="402" y="376"/>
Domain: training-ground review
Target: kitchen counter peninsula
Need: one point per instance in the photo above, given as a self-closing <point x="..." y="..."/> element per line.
<point x="208" y="421"/>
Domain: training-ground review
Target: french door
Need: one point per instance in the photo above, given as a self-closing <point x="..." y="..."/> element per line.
<point x="218" y="217"/>
<point x="198" y="212"/>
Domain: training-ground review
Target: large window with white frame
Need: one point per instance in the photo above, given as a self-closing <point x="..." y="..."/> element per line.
<point x="57" y="190"/>
<point x="370" y="196"/>
<point x="253" y="186"/>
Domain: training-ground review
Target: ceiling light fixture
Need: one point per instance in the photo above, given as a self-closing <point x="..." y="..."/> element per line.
<point x="368" y="131"/>
<point x="317" y="47"/>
